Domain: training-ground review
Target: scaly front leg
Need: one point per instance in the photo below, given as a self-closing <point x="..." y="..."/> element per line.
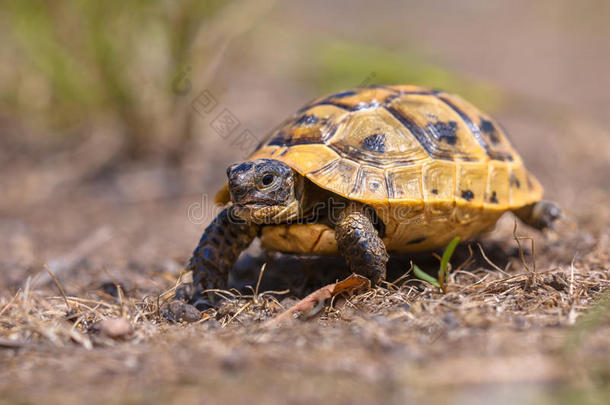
<point x="360" y="244"/>
<point x="222" y="242"/>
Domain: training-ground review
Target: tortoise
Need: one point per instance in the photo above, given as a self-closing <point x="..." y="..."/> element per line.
<point x="368" y="171"/>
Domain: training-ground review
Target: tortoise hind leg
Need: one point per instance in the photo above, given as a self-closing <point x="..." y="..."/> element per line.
<point x="360" y="244"/>
<point x="540" y="215"/>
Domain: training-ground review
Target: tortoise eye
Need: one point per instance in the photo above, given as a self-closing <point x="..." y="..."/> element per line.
<point x="267" y="179"/>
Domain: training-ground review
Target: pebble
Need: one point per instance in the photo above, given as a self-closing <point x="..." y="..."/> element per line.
<point x="183" y="312"/>
<point x="115" y="328"/>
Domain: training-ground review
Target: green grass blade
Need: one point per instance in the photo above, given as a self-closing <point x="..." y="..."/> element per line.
<point x="442" y="273"/>
<point x="422" y="275"/>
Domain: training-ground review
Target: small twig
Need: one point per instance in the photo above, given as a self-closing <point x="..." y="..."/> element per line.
<point x="26" y="294"/>
<point x="269" y="292"/>
<point x="521" y="254"/>
<point x="571" y="290"/>
<point x="85" y="300"/>
<point x="7" y="306"/>
<point x="490" y="262"/>
<point x="260" y="277"/>
<point x="479" y="282"/>
<point x="119" y="290"/>
<point x="238" y="312"/>
<point x="332" y="303"/>
<point x="405" y="275"/>
<point x="467" y="261"/>
<point x="272" y="298"/>
<point x="221" y="292"/>
<point x="58" y="285"/>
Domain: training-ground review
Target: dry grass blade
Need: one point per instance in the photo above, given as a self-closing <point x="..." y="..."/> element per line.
<point x="571" y="290"/>
<point x="521" y="253"/>
<point x="468" y="260"/>
<point x="490" y="262"/>
<point x="58" y="285"/>
<point x="9" y="304"/>
<point x="246" y="305"/>
<point x="260" y="277"/>
<point x="120" y="294"/>
<point x="405" y="275"/>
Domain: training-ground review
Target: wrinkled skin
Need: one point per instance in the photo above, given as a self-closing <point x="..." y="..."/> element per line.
<point x="265" y="191"/>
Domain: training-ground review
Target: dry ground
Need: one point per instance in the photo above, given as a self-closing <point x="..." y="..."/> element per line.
<point x="509" y="335"/>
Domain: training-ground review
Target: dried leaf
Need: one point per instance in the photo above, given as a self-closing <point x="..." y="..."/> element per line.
<point x="311" y="304"/>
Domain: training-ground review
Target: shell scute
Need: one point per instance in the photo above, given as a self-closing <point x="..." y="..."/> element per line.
<point x="519" y="191"/>
<point x="439" y="181"/>
<point x="377" y="139"/>
<point x="359" y="99"/>
<point x="471" y="183"/>
<point x="306" y="158"/>
<point x="338" y="175"/>
<point x="405" y="183"/>
<point x="497" y="194"/>
<point x="312" y="126"/>
<point x="484" y="130"/>
<point x="369" y="184"/>
<point x="438" y="128"/>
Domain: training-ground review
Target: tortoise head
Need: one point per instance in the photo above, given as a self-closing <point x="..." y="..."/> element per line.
<point x="265" y="191"/>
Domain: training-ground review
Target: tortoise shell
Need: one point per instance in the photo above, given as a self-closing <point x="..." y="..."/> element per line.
<point x="432" y="166"/>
